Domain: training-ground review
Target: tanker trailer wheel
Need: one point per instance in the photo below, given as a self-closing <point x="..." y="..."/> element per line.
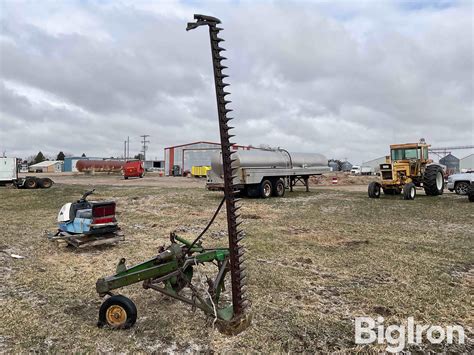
<point x="279" y="188"/>
<point x="470" y="194"/>
<point x="374" y="189"/>
<point x="409" y="191"/>
<point x="433" y="181"/>
<point x="118" y="312"/>
<point x="266" y="189"/>
<point x="30" y="183"/>
<point x="45" y="183"/>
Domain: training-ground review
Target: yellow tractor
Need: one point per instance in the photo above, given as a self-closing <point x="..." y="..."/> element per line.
<point x="407" y="168"/>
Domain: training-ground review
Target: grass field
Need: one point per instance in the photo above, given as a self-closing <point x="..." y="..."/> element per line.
<point x="315" y="261"/>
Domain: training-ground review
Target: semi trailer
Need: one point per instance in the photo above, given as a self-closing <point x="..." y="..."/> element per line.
<point x="265" y="173"/>
<point x="9" y="176"/>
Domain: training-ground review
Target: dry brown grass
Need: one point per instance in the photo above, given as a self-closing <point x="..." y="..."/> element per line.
<point x="315" y="260"/>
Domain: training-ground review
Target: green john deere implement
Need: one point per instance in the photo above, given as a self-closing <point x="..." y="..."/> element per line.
<point x="171" y="271"/>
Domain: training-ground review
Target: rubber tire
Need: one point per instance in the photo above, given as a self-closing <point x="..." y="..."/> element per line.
<point x="45" y="183"/>
<point x="465" y="188"/>
<point x="374" y="189"/>
<point x="470" y="194"/>
<point x="141" y="176"/>
<point x="126" y="304"/>
<point x="266" y="189"/>
<point x="407" y="191"/>
<point x="125" y="177"/>
<point x="31" y="183"/>
<point x="279" y="188"/>
<point x="430" y="177"/>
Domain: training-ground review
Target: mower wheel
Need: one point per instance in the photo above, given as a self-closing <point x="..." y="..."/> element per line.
<point x="31" y="183"/>
<point x="45" y="183"/>
<point x="125" y="177"/>
<point x="279" y="188"/>
<point x="409" y="191"/>
<point x="374" y="189"/>
<point x="118" y="312"/>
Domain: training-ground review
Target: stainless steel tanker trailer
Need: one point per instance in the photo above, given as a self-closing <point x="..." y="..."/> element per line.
<point x="265" y="173"/>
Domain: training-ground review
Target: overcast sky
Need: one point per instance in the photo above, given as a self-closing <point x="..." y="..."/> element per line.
<point x="342" y="78"/>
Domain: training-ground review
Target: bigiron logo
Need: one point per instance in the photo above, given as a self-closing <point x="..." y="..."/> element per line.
<point x="397" y="337"/>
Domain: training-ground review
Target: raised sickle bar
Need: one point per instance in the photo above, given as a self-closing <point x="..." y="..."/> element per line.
<point x="237" y="270"/>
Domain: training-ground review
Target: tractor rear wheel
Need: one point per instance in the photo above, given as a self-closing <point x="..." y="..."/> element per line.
<point x="409" y="191"/>
<point x="470" y="194"/>
<point x="374" y="189"/>
<point x="433" y="181"/>
<point x="117" y="312"/>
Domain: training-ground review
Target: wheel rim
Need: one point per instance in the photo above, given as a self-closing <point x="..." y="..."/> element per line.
<point x="267" y="189"/>
<point x="462" y="188"/>
<point x="377" y="190"/>
<point x="439" y="181"/>
<point x="280" y="189"/>
<point x="412" y="192"/>
<point x="116" y="315"/>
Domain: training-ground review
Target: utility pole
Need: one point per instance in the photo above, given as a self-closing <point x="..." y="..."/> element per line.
<point x="128" y="147"/>
<point x="125" y="150"/>
<point x="144" y="142"/>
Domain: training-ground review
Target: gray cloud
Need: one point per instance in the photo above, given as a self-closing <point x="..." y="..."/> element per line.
<point x="344" y="79"/>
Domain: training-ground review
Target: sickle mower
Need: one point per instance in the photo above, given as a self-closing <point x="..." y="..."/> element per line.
<point x="171" y="271"/>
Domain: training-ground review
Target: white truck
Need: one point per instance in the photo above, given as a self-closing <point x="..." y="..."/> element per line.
<point x="265" y="173"/>
<point x="361" y="170"/>
<point x="9" y="176"/>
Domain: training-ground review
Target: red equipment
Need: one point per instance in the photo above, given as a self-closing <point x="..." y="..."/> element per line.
<point x="133" y="168"/>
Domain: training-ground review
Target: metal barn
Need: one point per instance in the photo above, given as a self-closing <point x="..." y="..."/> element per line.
<point x="181" y="158"/>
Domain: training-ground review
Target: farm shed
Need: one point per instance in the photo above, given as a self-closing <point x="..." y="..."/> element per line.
<point x="467" y="163"/>
<point x="47" y="167"/>
<point x="181" y="158"/>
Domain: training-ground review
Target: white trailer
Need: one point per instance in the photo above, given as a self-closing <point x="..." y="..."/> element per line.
<point x="9" y="176"/>
<point x="264" y="173"/>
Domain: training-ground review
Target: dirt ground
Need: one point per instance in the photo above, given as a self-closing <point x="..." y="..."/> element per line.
<point x="315" y="260"/>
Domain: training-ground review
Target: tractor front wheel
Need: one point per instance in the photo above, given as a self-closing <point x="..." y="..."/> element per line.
<point x="433" y="181"/>
<point x="374" y="189"/>
<point x="409" y="191"/>
<point x="117" y="312"/>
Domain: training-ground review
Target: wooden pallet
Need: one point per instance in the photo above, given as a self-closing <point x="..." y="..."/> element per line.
<point x="83" y="240"/>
